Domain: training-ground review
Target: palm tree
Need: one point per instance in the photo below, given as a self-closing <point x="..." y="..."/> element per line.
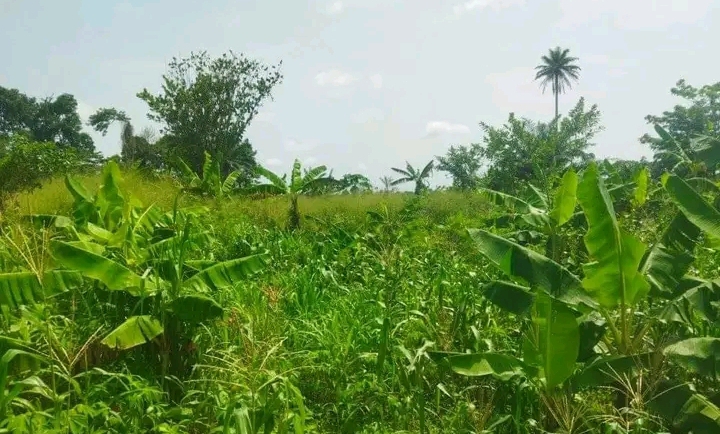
<point x="557" y="70"/>
<point x="300" y="183"/>
<point x="410" y="174"/>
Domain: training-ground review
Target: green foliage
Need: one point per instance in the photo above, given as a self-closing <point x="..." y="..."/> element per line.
<point x="463" y="163"/>
<point x="25" y="164"/>
<point x="46" y="120"/>
<point x="207" y="104"/>
<point x="210" y="181"/>
<point x="411" y="174"/>
<point x="524" y="151"/>
<point x="698" y="116"/>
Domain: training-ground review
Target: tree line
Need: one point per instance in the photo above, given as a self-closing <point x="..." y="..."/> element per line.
<point x="206" y="104"/>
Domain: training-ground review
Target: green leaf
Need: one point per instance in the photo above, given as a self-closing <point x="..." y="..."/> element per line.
<point x="699" y="355"/>
<point x="608" y="370"/>
<point x="693" y="205"/>
<point x="687" y="411"/>
<point x="554" y="341"/>
<point x="565" y="198"/>
<point x="135" y="331"/>
<point x="613" y="278"/>
<point x="501" y="366"/>
<point x="114" y="275"/>
<point x="230" y="182"/>
<point x="77" y="190"/>
<point x="195" y="308"/>
<point x="99" y="233"/>
<point x="667" y="262"/>
<point x="510" y="297"/>
<point x="641" y="180"/>
<point x="24" y="288"/>
<point x="225" y="274"/>
<point x="537" y="270"/>
<point x="47" y="220"/>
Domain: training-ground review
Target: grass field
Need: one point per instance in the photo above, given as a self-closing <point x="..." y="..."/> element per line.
<point x="355" y="323"/>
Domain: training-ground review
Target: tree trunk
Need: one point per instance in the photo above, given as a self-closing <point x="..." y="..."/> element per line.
<point x="557" y="93"/>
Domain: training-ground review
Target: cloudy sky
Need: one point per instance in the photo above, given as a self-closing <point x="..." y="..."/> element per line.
<point x="371" y="83"/>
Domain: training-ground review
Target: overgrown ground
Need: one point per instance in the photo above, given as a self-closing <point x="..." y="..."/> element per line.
<point x="343" y="330"/>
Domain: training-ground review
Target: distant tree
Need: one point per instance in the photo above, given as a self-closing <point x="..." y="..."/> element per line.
<point x="523" y="150"/>
<point x="698" y="116"/>
<point x="207" y="104"/>
<point x="557" y="70"/>
<point x="387" y="183"/>
<point x="353" y="183"/>
<point x="411" y="174"/>
<point x="462" y="163"/>
<point x="46" y="120"/>
<point x="134" y="150"/>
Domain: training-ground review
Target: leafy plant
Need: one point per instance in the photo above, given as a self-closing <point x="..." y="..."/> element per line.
<point x="411" y="174"/>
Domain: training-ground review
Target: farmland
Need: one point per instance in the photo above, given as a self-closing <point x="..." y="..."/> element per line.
<point x="382" y="313"/>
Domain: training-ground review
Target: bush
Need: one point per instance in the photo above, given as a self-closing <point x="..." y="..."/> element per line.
<point x="25" y="164"/>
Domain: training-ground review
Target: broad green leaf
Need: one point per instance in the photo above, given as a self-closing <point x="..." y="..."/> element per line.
<point x="195" y="308"/>
<point x="135" y="331"/>
<point x="114" y="275"/>
<point x="687" y="411"/>
<point x="275" y="180"/>
<point x="592" y="328"/>
<point x="642" y="179"/>
<point x="230" y="182"/>
<point x="225" y="274"/>
<point x="565" y="198"/>
<point x="99" y="233"/>
<point x="78" y="191"/>
<point x="608" y="370"/>
<point x="501" y="366"/>
<point x="296" y="179"/>
<point x="47" y="220"/>
<point x="537" y="270"/>
<point x="707" y="150"/>
<point x="667" y="262"/>
<point x="699" y="355"/>
<point x="24" y="288"/>
<point x="553" y="343"/>
<point x="613" y="278"/>
<point x="510" y="297"/>
<point x="695" y="207"/>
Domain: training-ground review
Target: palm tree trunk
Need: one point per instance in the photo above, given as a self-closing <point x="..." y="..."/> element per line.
<point x="557" y="93"/>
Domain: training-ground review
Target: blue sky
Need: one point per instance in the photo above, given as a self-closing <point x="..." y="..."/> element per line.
<point x="372" y="83"/>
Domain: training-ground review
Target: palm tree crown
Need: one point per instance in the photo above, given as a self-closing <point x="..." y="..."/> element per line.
<point x="557" y="70"/>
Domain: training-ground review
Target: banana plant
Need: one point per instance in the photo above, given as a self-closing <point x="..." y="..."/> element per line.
<point x="411" y="174"/>
<point x="211" y="182"/>
<point x="542" y="213"/>
<point x="299" y="184"/>
<point x="601" y="306"/>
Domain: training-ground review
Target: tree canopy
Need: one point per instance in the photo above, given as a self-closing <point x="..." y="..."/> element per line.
<point x="45" y="120"/>
<point x="463" y="163"/>
<point x="206" y="105"/>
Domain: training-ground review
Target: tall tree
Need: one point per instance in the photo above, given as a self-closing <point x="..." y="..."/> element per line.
<point x="387" y="183"/>
<point x="411" y="174"/>
<point x="206" y="104"/>
<point x="47" y="120"/>
<point x="522" y="150"/>
<point x="136" y="150"/>
<point x="463" y="164"/>
<point x="557" y="70"/>
<point x="698" y="115"/>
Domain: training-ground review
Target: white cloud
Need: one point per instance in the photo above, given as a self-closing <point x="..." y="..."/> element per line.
<point x="376" y="80"/>
<point x="334" y="8"/>
<point x="439" y="127"/>
<point x="472" y="5"/>
<point x="273" y="162"/>
<point x="334" y="77"/>
<point x="636" y="14"/>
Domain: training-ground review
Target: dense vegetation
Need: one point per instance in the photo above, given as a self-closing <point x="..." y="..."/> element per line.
<point x="550" y="292"/>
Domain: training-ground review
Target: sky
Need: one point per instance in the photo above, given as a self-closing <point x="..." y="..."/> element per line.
<point x="371" y="84"/>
